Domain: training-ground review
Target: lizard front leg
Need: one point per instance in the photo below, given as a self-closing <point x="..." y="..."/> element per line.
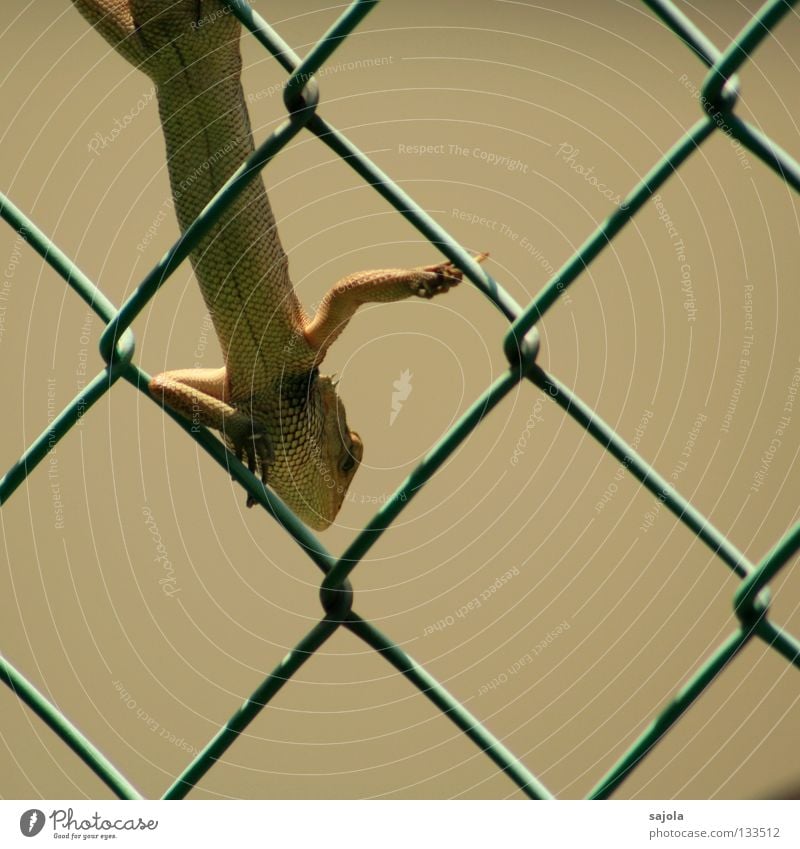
<point x="200" y="395"/>
<point x="379" y="286"/>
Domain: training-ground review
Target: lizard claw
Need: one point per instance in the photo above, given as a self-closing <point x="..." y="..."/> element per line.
<point x="439" y="278"/>
<point x="252" y="446"/>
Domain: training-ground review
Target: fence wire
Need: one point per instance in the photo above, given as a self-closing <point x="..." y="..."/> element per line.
<point x="521" y="343"/>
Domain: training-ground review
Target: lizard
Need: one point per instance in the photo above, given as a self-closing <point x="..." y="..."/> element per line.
<point x="269" y="402"/>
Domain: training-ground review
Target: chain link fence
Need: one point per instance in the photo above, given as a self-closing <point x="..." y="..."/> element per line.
<point x="751" y="601"/>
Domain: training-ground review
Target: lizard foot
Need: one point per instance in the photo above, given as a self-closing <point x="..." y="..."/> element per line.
<point x="252" y="446"/>
<point x="436" y="279"/>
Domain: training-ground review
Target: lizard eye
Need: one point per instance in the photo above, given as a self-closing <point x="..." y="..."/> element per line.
<point x="353" y="451"/>
<point x="347" y="463"/>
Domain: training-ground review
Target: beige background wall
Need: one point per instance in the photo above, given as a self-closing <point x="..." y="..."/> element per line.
<point x="149" y="676"/>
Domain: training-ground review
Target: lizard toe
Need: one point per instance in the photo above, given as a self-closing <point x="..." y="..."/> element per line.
<point x="436" y="279"/>
<point x="441" y="277"/>
<point x="258" y="450"/>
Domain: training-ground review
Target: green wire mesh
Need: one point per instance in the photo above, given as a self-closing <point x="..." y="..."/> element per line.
<point x="750" y="602"/>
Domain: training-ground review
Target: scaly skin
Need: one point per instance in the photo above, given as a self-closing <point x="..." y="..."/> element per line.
<point x="272" y="407"/>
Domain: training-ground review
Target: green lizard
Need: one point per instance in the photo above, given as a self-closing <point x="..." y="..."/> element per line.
<point x="273" y="408"/>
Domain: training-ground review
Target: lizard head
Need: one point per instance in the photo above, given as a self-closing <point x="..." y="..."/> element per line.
<point x="317" y="454"/>
<point x="341" y="448"/>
